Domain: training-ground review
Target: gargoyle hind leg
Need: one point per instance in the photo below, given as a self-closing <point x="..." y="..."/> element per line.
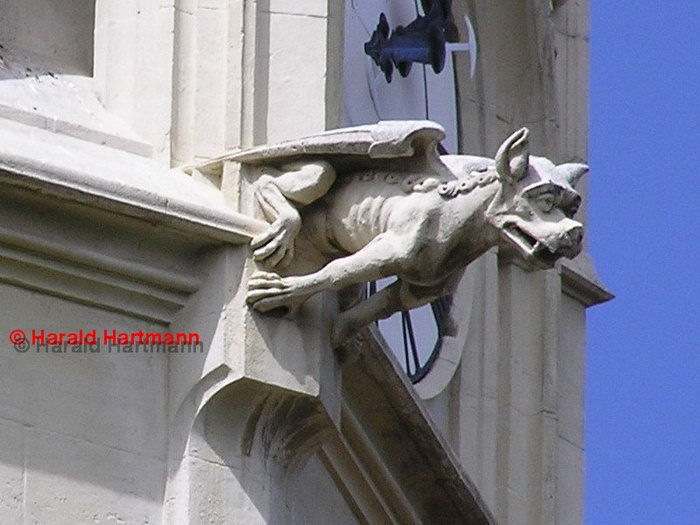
<point x="398" y="296"/>
<point x="279" y="193"/>
<point x="380" y="258"/>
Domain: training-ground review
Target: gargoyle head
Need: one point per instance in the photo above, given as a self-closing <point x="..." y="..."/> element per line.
<point x="535" y="207"/>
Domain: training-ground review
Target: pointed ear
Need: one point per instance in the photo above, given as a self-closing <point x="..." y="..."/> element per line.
<point x="572" y="172"/>
<point x="513" y="157"/>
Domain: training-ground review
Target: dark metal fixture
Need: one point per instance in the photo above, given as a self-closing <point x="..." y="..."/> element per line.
<point x="422" y="41"/>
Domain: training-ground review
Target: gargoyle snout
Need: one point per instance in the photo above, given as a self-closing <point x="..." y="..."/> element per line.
<point x="575" y="235"/>
<point x="570" y="243"/>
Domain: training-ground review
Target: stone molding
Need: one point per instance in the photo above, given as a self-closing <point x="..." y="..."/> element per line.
<point x="82" y="189"/>
<point x="87" y="277"/>
<point x="118" y="182"/>
<point x="580" y="281"/>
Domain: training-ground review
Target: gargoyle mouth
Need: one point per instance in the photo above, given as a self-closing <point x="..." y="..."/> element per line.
<point x="529" y="247"/>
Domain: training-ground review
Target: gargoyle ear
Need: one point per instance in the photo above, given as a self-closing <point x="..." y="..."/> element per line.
<point x="513" y="157"/>
<point x="572" y="172"/>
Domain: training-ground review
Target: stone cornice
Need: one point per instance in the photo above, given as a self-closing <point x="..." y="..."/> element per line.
<point x="580" y="281"/>
<point x="106" y="228"/>
<point x="117" y="182"/>
<point x="578" y="278"/>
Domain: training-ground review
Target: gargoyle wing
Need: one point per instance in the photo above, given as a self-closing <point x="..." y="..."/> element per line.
<point x="356" y="147"/>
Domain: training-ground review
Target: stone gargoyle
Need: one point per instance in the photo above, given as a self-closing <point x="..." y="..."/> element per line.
<point x="378" y="201"/>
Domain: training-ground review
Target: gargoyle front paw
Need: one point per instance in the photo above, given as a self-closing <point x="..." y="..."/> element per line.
<point x="268" y="291"/>
<point x="275" y="247"/>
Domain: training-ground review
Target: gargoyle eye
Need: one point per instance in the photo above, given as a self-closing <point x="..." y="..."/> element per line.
<point x="545" y="202"/>
<point x="571" y="210"/>
<point x="571" y="206"/>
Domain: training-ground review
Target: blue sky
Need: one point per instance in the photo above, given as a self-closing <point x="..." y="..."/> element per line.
<point x="643" y="362"/>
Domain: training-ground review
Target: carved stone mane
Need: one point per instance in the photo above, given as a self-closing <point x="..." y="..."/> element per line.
<point x="467" y="183"/>
<point x="411" y="183"/>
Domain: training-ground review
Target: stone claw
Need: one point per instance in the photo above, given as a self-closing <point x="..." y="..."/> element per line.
<point x="265" y="304"/>
<point x="268" y="291"/>
<point x="275" y="247"/>
<point x="262" y="280"/>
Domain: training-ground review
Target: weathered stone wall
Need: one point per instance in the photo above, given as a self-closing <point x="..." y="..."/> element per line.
<point x="513" y="407"/>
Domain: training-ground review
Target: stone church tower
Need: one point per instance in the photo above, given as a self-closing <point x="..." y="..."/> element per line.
<point x="137" y="384"/>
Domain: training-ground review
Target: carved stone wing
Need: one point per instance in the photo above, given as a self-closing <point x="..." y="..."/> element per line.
<point x="355" y="147"/>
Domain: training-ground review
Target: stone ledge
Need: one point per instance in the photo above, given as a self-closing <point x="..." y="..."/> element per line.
<point x="153" y="297"/>
<point x="416" y="454"/>
<point x="93" y="257"/>
<point x="106" y="228"/>
<point x="580" y="281"/>
<point x="578" y="278"/>
<point x="117" y="182"/>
